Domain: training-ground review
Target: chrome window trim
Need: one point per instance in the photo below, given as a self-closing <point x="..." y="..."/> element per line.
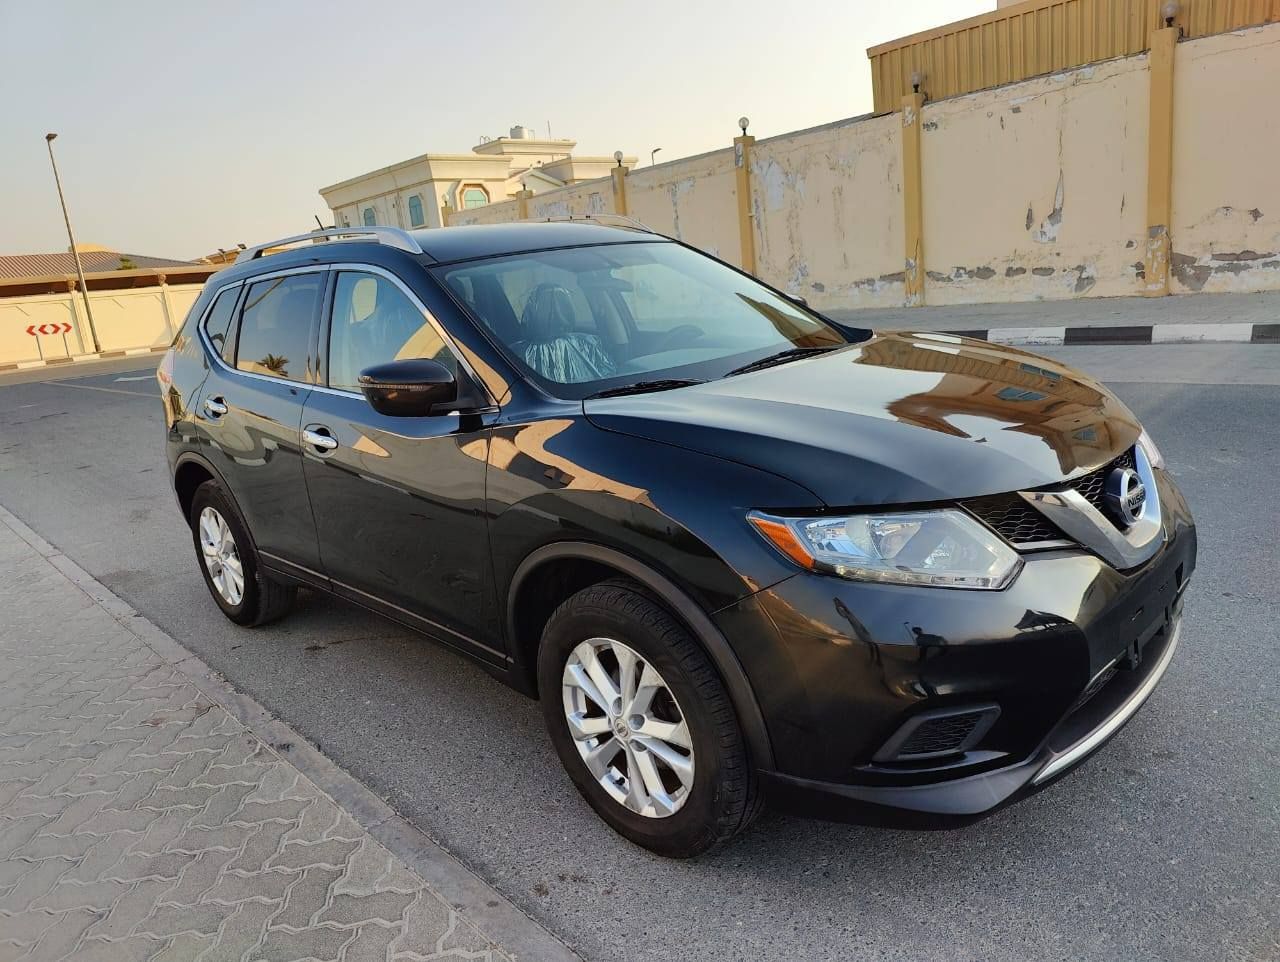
<point x="217" y="357"/>
<point x="444" y="335"/>
<point x="204" y="317"/>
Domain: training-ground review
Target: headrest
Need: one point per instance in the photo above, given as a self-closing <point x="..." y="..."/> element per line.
<point x="548" y="313"/>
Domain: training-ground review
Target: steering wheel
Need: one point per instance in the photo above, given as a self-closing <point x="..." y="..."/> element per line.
<point x="679" y="337"/>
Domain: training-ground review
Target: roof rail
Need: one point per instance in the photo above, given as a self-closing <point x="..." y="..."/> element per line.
<point x="390" y="236"/>
<point x="604" y="220"/>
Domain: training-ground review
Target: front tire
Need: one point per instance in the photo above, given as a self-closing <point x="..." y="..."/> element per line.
<point x="229" y="561"/>
<point x="642" y="722"/>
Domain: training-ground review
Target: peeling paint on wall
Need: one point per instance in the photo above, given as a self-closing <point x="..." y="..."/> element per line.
<point x="1243" y="271"/>
<point x="1052" y="225"/>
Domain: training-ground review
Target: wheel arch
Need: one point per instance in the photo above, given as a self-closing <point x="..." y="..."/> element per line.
<point x="589" y="563"/>
<point x="189" y="472"/>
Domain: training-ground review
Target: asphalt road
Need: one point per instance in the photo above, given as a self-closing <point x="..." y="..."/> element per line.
<point x="1163" y="846"/>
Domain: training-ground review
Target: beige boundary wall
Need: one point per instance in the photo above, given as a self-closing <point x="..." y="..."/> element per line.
<point x="141" y="317"/>
<point x="1034" y="190"/>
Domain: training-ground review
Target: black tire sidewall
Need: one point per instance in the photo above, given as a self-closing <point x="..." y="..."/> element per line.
<point x="695" y="827"/>
<point x="211" y="495"/>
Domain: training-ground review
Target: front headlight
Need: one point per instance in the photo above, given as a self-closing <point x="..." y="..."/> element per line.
<point x="1149" y="448"/>
<point x="944" y="548"/>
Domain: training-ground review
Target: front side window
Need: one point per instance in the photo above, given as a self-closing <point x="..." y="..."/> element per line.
<point x="587" y="319"/>
<point x="370" y="219"/>
<point x="415" y="211"/>
<point x="474" y="197"/>
<point x="374" y="322"/>
<point x="275" y="326"/>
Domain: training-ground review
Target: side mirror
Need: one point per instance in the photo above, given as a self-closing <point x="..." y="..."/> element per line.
<point x="409" y="389"/>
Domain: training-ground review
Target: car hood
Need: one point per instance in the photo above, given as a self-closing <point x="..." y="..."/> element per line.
<point x="897" y="419"/>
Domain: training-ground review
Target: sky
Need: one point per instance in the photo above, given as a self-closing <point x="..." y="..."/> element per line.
<point x="185" y="127"/>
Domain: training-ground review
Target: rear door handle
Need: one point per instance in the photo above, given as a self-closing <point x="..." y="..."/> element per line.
<point x="215" y="407"/>
<point x="319" y="438"/>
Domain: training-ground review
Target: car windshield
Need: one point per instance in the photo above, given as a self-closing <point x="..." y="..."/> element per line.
<point x="583" y="320"/>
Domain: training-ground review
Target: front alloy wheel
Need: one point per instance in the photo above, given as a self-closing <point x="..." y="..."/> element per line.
<point x="642" y="722"/>
<point x="628" y="727"/>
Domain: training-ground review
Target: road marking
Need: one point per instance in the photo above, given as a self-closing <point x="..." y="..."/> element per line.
<point x="140" y="377"/>
<point x="90" y="387"/>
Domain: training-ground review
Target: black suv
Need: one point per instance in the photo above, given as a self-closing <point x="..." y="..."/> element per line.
<point x="736" y="549"/>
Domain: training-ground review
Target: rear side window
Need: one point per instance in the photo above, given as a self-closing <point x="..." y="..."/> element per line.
<point x="275" y="326"/>
<point x="218" y="323"/>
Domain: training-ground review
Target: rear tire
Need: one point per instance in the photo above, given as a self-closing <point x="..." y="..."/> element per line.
<point x="677" y="707"/>
<point x="228" y="560"/>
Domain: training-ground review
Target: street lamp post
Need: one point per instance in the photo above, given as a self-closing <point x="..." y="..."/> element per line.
<point x="84" y="291"/>
<point x="652" y="154"/>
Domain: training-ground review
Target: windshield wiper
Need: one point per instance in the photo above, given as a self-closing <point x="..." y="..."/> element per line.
<point x="641" y="387"/>
<point x="780" y="358"/>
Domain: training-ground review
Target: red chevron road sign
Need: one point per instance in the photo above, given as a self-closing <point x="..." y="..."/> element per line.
<point x="60" y="328"/>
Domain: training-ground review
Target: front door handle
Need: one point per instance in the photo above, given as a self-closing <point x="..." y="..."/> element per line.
<point x="215" y="407"/>
<point x="319" y="438"/>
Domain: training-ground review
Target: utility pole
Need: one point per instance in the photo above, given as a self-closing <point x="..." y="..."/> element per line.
<point x="84" y="291"/>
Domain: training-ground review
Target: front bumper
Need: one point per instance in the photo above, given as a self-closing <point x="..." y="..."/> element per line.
<point x="1069" y="653"/>
<point x="958" y="800"/>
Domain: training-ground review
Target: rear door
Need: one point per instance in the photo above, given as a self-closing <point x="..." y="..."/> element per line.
<point x="250" y="410"/>
<point x="398" y="502"/>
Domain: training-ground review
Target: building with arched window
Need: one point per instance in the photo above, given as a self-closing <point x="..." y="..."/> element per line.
<point x="414" y="192"/>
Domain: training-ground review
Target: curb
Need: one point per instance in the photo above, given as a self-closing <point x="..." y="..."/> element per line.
<point x="500" y="920"/>
<point x="79" y="358"/>
<point x="1134" y="334"/>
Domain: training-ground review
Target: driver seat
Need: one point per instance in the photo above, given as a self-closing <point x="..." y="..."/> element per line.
<point x="552" y="348"/>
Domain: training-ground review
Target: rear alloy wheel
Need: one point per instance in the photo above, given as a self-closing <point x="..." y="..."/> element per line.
<point x="221" y="556"/>
<point x="229" y="561"/>
<point x="642" y="722"/>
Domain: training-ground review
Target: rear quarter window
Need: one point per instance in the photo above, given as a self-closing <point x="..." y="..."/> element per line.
<point x="218" y="322"/>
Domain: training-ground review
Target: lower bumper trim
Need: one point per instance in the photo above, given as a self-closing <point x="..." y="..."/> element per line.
<point x="1113" y="722"/>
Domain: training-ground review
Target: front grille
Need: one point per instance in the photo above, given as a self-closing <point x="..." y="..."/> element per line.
<point x="1014" y="520"/>
<point x="940" y="732"/>
<point x="1091" y="485"/>
<point x="1017" y="522"/>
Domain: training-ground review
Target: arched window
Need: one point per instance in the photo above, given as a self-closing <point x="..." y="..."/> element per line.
<point x="474" y="197"/>
<point x="370" y="219"/>
<point x="415" y="211"/>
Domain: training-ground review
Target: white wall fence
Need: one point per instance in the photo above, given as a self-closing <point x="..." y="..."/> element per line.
<point x="44" y="327"/>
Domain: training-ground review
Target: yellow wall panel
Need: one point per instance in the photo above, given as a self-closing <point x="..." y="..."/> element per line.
<point x="1040" y="37"/>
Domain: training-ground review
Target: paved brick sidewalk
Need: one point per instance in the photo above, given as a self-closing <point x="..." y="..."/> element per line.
<point x="141" y="820"/>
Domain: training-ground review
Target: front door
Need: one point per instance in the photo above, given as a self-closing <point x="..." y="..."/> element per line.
<point x="398" y="502"/>
<point x="250" y="409"/>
